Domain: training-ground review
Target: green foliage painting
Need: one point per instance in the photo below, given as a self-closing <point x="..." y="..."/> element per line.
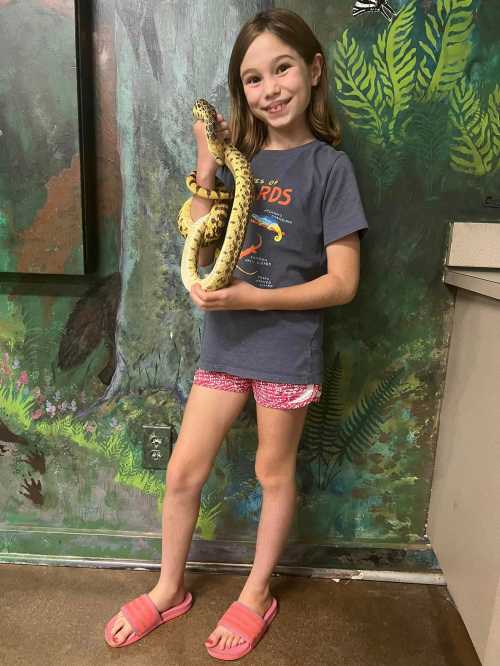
<point x="382" y="90"/>
<point x="328" y="441"/>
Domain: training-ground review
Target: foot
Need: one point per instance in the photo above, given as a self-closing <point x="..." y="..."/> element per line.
<point x="224" y="638"/>
<point x="121" y="628"/>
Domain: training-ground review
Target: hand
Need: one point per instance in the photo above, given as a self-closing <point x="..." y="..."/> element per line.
<point x="238" y="295"/>
<point x="205" y="158"/>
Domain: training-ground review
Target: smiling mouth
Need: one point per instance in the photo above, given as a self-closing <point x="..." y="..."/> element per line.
<point x="276" y="108"/>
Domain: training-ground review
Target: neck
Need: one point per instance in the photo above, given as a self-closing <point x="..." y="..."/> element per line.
<point x="281" y="140"/>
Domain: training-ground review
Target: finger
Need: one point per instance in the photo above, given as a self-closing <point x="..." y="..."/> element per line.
<point x="224" y="136"/>
<point x="201" y="293"/>
<point x="195" y="295"/>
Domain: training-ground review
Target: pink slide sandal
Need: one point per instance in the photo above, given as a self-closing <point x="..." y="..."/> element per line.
<point x="143" y="617"/>
<point x="248" y="624"/>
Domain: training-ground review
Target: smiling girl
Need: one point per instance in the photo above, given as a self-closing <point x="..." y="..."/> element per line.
<point x="264" y="332"/>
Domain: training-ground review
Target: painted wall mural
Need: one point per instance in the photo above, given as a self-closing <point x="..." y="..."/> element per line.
<point x="40" y="185"/>
<point x="83" y="369"/>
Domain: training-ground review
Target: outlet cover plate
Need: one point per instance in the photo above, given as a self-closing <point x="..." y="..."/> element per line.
<point x="157" y="446"/>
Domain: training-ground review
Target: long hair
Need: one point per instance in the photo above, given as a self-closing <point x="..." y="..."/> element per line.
<point x="248" y="133"/>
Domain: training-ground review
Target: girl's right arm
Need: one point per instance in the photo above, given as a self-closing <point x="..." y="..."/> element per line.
<point x="206" y="167"/>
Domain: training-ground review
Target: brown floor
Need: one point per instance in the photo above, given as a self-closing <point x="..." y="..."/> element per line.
<point x="56" y="615"/>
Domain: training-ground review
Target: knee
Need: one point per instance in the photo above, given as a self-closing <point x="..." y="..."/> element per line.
<point x="181" y="479"/>
<point x="270" y="479"/>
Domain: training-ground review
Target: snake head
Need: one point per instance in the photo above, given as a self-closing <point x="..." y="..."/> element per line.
<point x="204" y="111"/>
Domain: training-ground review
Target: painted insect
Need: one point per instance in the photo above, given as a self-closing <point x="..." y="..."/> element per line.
<point x="381" y="6"/>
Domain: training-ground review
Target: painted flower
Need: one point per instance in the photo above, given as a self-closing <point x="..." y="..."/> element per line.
<point x="90" y="426"/>
<point x="16" y="363"/>
<point x="73" y="406"/>
<point x="23" y="377"/>
<point x="36" y="415"/>
<point x="51" y="409"/>
<point x="63" y="406"/>
<point x="57" y="395"/>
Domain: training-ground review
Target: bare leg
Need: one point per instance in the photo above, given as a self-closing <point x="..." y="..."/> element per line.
<point x="208" y="416"/>
<point x="279" y="436"/>
<point x="180" y="512"/>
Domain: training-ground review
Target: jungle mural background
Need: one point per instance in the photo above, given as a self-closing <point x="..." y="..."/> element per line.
<point x="84" y="367"/>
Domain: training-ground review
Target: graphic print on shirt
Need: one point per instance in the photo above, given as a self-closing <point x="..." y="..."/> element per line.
<point x="267" y="225"/>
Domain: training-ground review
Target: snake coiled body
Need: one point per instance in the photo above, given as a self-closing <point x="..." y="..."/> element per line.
<point x="210" y="227"/>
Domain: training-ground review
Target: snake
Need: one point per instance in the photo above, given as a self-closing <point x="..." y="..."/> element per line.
<point x="228" y="217"/>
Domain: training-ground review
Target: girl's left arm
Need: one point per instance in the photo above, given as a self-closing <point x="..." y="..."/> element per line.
<point x="337" y="287"/>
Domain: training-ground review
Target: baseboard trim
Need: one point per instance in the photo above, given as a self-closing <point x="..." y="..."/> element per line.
<point x="420" y="578"/>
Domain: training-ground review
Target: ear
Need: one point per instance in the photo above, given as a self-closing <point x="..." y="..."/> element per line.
<point x="316" y="68"/>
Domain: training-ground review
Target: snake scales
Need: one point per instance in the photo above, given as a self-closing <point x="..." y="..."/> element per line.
<point x="209" y="228"/>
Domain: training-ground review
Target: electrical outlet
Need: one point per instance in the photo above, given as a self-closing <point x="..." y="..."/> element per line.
<point x="157" y="446"/>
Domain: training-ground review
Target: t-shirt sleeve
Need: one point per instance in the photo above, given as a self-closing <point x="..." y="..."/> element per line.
<point x="342" y="208"/>
<point x="226" y="176"/>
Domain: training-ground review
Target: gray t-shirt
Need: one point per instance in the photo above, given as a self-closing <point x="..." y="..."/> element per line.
<point x="306" y="197"/>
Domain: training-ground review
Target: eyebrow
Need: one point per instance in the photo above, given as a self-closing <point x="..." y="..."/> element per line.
<point x="251" y="69"/>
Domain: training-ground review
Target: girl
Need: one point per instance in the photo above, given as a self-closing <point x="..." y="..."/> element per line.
<point x="264" y="331"/>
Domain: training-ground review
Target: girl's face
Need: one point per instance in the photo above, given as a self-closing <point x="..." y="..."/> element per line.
<point x="277" y="84"/>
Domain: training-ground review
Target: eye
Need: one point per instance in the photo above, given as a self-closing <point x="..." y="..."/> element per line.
<point x="251" y="79"/>
<point x="283" y="64"/>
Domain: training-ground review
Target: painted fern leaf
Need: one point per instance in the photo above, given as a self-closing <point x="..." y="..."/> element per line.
<point x="471" y="149"/>
<point x="400" y="55"/>
<point x="494" y="114"/>
<point x="323" y="419"/>
<point x="360" y="428"/>
<point x="358" y="89"/>
<point x="381" y="67"/>
<point x="446" y="48"/>
<point x="429" y="141"/>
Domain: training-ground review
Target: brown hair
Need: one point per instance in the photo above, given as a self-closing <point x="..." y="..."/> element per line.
<point x="248" y="132"/>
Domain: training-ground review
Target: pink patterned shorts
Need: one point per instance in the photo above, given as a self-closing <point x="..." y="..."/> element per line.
<point x="267" y="394"/>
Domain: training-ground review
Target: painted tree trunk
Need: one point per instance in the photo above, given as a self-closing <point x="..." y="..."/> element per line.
<point x="168" y="54"/>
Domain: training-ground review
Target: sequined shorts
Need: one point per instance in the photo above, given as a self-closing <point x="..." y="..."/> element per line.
<point x="267" y="394"/>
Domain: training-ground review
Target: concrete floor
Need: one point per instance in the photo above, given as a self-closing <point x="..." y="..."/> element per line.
<point x="56" y="615"/>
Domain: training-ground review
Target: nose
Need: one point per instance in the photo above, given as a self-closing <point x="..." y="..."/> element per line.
<point x="271" y="88"/>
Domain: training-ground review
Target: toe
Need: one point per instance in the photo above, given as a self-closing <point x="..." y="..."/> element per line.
<point x="222" y="639"/>
<point x="115" y="638"/>
<point x="213" y="639"/>
<point x="121" y="630"/>
<point x="116" y="626"/>
<point x="122" y="635"/>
